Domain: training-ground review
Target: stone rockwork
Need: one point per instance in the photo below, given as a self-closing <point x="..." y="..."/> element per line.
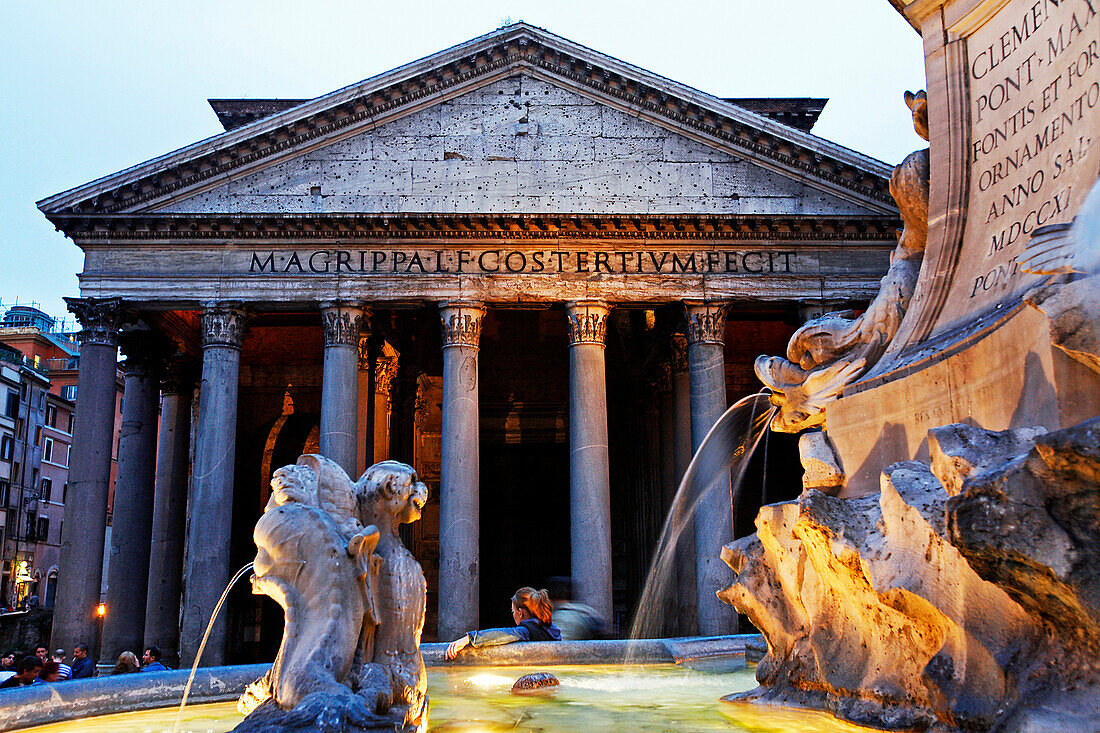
<point x="962" y="596"/>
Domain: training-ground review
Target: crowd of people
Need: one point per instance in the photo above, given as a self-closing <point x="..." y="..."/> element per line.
<point x="42" y="667"/>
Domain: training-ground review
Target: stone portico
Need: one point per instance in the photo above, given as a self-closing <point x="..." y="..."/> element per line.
<point x="528" y="269"/>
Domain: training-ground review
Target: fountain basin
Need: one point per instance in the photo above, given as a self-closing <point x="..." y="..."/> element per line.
<point x="76" y="702"/>
<point x="656" y="696"/>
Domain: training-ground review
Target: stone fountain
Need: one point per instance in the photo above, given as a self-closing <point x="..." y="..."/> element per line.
<point x="327" y="550"/>
<point x="941" y="569"/>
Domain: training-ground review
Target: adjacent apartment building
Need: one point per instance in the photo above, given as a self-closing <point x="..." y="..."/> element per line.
<point x="38" y="368"/>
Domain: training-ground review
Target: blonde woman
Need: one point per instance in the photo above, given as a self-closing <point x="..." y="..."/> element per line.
<point x="532" y="612"/>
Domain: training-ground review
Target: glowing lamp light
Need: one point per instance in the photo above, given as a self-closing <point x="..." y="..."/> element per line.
<point x="101" y="610"/>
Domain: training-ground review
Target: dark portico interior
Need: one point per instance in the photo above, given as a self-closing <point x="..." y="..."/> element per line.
<point x="524" y="485"/>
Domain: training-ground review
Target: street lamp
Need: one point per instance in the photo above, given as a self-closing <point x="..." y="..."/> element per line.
<point x="100" y="613"/>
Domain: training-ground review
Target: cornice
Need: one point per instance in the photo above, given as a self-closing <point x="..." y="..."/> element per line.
<point x="449" y="74"/>
<point x="138" y="227"/>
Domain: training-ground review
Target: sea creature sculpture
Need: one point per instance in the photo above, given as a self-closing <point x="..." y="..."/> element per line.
<point x="832" y="351"/>
<point x="317" y="559"/>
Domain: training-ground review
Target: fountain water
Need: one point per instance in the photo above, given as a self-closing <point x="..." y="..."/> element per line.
<point x="727" y="448"/>
<point x="202" y="646"/>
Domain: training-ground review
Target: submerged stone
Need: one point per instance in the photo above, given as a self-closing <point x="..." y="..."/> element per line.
<point x="535" y="683"/>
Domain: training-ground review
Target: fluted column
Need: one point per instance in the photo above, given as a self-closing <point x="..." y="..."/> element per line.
<point x="80" y="573"/>
<point x="589" y="479"/>
<point x="162" y="608"/>
<point x="210" y="506"/>
<point x="132" y="523"/>
<point x="713" y="519"/>
<point x="459" y="500"/>
<point x="340" y="383"/>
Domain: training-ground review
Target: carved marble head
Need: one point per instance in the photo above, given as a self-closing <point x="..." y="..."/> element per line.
<point x="392" y="488"/>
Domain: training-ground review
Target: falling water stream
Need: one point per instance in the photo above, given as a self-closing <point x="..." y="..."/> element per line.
<point x="202" y="646"/>
<point x="725" y="450"/>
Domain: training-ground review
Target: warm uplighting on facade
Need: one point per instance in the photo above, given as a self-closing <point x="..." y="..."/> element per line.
<point x="101" y="610"/>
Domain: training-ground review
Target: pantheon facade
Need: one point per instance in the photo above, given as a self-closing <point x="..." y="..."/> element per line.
<point x="536" y="273"/>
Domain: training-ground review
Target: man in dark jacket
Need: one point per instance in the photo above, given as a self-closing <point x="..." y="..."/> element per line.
<point x="82" y="666"/>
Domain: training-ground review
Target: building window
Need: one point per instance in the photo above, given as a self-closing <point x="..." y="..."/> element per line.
<point x="12" y="408"/>
<point x="17" y="473"/>
<point x="43" y="529"/>
<point x="72" y="419"/>
<point x="64" y="491"/>
<point x="47" y="450"/>
<point x="23" y="391"/>
<point x="38" y="435"/>
<point x="51" y="415"/>
<point x="5" y="493"/>
<point x="7" y="447"/>
<point x="47" y="489"/>
<point x="69" y="393"/>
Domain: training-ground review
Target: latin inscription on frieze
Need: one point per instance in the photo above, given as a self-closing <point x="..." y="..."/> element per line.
<point x="1034" y="89"/>
<point x="503" y="261"/>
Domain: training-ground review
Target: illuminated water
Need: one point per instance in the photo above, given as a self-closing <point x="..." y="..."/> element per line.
<point x="724" y="452"/>
<point x="591" y="699"/>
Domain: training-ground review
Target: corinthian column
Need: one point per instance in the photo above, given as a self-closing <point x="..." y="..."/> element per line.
<point x="132" y="525"/>
<point x="459" y="571"/>
<point x="340" y="383"/>
<point x="210" y="506"/>
<point x="713" y="519"/>
<point x="589" y="479"/>
<point x="162" y="608"/>
<point x="81" y="562"/>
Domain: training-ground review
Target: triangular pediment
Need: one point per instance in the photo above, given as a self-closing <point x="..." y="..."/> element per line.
<point x="517" y="121"/>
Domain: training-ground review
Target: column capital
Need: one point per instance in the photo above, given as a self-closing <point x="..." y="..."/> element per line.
<point x="461" y="323"/>
<point x="706" y="321"/>
<point x="100" y="319"/>
<point x="342" y="322"/>
<point x="678" y="352"/>
<point x="145" y="351"/>
<point x="587" y="321"/>
<point x="179" y="375"/>
<point x="385" y="369"/>
<point x="223" y="324"/>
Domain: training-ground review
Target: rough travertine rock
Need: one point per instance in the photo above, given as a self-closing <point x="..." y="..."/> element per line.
<point x="916" y="609"/>
<point x="1032" y="526"/>
<point x="821" y="468"/>
<point x="959" y="451"/>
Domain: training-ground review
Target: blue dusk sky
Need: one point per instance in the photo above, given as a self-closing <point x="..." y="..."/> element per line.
<point x="90" y="88"/>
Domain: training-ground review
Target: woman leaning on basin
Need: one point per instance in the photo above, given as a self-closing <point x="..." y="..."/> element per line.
<point x="532" y="612"/>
